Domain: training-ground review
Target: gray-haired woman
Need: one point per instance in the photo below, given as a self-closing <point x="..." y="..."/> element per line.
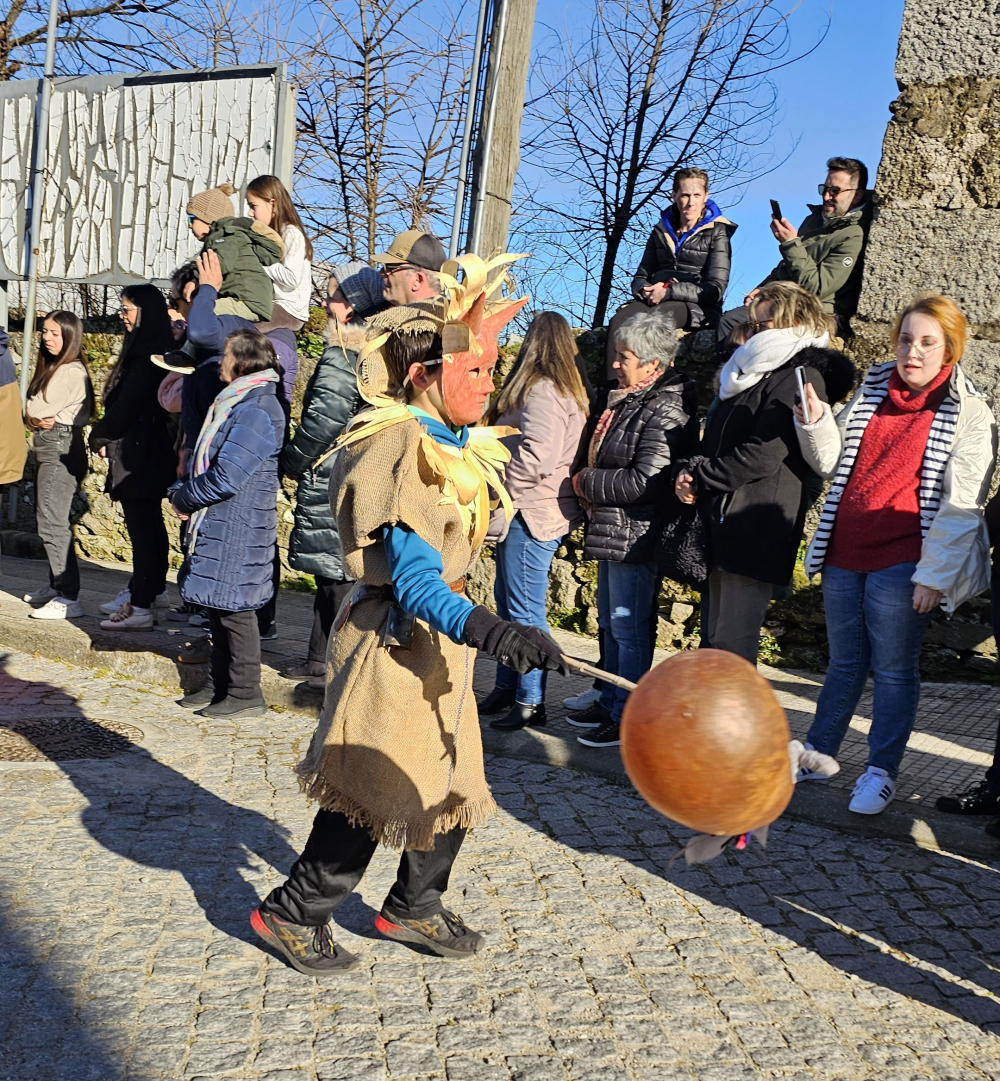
<point x="331" y="398"/>
<point x="640" y="426"/>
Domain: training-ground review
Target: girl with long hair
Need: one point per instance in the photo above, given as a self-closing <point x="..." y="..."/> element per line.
<point x="60" y="402"/>
<point x="271" y="205"/>
<point x="545" y="398"/>
<point x="134" y="436"/>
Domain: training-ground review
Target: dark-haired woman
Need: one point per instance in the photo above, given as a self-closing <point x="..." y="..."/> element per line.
<point x="230" y="502"/>
<point x="271" y="205"/>
<point x="60" y="403"/>
<point x="134" y="436"/>
<point x="544" y="398"/>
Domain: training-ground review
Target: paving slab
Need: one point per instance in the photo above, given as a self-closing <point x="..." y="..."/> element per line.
<point x="951" y="746"/>
<point x="125" y="951"/>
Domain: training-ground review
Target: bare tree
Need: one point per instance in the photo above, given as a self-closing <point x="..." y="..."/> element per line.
<point x="653" y="86"/>
<point x="108" y="35"/>
<point x="380" y="100"/>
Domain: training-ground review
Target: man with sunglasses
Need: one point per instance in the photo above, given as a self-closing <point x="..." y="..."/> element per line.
<point x="410" y="267"/>
<point x="826" y="253"/>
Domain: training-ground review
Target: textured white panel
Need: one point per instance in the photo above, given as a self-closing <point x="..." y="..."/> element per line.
<point x="125" y="156"/>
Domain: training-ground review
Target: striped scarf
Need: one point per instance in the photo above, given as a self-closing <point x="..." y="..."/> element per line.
<point x="224" y="403"/>
<point x="935" y="460"/>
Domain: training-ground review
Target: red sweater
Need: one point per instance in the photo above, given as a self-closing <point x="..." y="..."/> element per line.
<point x="878" y="519"/>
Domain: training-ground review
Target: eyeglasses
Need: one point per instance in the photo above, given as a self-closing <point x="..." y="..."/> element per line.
<point x="830" y="189"/>
<point x="125" y="311"/>
<point x="903" y="349"/>
<point x="757" y="325"/>
<point x="388" y="271"/>
<point x="192" y="218"/>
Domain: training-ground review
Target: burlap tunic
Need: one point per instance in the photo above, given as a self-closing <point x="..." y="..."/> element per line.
<point x="397" y="747"/>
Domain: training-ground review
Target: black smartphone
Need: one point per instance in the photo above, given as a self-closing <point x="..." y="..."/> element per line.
<point x="775" y="210"/>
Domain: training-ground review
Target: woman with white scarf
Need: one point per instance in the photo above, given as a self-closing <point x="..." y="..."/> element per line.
<point x="751" y="472"/>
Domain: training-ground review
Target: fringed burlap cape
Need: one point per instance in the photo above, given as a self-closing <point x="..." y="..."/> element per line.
<point x="397" y="747"/>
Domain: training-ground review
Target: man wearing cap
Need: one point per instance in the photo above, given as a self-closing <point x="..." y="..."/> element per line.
<point x="410" y="267"/>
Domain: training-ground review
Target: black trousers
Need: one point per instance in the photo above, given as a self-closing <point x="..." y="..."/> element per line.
<point x="336" y="857"/>
<point x="676" y="309"/>
<point x="235" y="657"/>
<point x="330" y="595"/>
<point x="150" y="549"/>
<point x="267" y="615"/>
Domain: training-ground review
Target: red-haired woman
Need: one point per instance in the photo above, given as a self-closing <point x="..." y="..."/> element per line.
<point x="60" y="402"/>
<point x="270" y="204"/>
<point x="902" y="531"/>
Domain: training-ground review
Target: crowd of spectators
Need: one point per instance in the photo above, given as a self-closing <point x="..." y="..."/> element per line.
<point x="197" y="409"/>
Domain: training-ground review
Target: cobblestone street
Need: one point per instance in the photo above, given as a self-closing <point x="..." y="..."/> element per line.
<point x="127" y="880"/>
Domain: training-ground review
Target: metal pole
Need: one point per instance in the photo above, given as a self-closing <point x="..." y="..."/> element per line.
<point x="40" y="167"/>
<point x="484" y="164"/>
<point x="470" y="120"/>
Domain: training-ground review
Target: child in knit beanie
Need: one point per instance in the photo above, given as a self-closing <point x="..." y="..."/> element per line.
<point x="244" y="248"/>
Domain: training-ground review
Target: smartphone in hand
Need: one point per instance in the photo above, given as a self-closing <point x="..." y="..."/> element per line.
<point x="776" y="214"/>
<point x="800" y="394"/>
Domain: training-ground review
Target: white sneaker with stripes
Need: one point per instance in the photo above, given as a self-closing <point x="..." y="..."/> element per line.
<point x="873" y="792"/>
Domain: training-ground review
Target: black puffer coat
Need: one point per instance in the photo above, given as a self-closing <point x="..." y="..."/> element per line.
<point x="331" y="399"/>
<point x="701" y="267"/>
<point x="629" y="485"/>
<point x="753" y="475"/>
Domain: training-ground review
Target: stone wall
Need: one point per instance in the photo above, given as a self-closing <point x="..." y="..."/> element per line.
<point x="937" y="222"/>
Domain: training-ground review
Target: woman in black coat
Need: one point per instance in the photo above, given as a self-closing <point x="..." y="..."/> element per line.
<point x="684" y="269"/>
<point x="622" y="478"/>
<point x="135" y="438"/>
<point x="750" y="470"/>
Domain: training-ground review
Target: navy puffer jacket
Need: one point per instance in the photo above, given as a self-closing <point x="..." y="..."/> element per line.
<point x="230" y="566"/>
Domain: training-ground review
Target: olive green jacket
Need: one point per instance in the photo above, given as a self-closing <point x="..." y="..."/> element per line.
<point x="244" y="248"/>
<point x="827" y="258"/>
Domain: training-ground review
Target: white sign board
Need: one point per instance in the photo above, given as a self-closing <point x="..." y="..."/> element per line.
<point x="125" y="154"/>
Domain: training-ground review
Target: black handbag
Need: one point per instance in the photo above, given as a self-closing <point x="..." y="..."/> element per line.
<point x="682" y="549"/>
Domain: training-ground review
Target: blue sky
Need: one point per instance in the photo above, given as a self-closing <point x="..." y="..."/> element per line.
<point x="836" y="101"/>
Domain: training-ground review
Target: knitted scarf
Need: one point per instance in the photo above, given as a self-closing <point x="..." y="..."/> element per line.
<point x="225" y="402"/>
<point x="764" y="352"/>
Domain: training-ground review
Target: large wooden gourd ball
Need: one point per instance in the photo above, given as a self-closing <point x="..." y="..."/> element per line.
<point x="705" y="742"/>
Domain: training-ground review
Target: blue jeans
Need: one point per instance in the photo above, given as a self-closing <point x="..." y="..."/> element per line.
<point x="626" y="593"/>
<point x="870" y="623"/>
<point x="522" y="584"/>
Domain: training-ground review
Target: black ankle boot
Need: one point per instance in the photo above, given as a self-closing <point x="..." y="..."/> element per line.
<point x="520" y="716"/>
<point x="496" y="701"/>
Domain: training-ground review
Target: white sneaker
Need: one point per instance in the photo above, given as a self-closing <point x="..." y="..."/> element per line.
<point x="804" y="773"/>
<point x="873" y="792"/>
<point x="46" y="593"/>
<point x="579" y="702"/>
<point x="124" y="596"/>
<point x="162" y="601"/>
<point x="58" y="608"/>
<point x="128" y="618"/>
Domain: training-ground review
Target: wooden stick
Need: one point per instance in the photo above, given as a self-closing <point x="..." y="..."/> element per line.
<point x="585" y="669"/>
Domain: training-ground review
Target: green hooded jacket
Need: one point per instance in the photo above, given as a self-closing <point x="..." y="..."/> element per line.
<point x="244" y="248"/>
<point x="827" y="258"/>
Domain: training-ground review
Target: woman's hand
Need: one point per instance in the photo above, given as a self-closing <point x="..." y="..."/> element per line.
<point x="656" y="293"/>
<point x="102" y="452"/>
<point x="813" y="410"/>
<point x="925" y="599"/>
<point x="45" y="424"/>
<point x="684" y="487"/>
<point x="575" y="481"/>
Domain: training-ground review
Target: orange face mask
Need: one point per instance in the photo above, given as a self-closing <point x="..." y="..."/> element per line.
<point x="467" y="379"/>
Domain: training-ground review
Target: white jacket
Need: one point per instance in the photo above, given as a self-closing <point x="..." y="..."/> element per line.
<point x="955" y="553"/>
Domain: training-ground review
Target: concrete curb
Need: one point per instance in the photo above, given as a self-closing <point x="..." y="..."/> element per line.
<point x="123" y="655"/>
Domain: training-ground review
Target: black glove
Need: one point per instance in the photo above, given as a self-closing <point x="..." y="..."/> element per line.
<point x="512" y="644"/>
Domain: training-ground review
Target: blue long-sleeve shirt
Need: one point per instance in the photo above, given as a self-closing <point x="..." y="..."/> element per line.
<point x="416" y="566"/>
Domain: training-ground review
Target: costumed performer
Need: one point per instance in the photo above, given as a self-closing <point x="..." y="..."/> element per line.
<point x="397" y="756"/>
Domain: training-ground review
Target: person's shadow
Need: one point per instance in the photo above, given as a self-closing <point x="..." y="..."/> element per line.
<point x="152" y="815"/>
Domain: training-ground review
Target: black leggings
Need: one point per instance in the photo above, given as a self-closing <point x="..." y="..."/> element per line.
<point x="336" y="857"/>
<point x="235" y="656"/>
<point x="150" y="549"/>
<point x="330" y="595"/>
